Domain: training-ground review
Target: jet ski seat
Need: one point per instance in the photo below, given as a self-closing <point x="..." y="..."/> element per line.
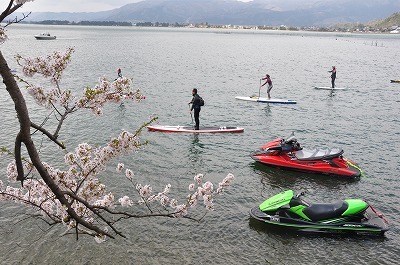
<point x="318" y="154"/>
<point x="323" y="211"/>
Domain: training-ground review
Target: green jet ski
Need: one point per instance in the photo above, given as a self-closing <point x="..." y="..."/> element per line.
<point x="351" y="215"/>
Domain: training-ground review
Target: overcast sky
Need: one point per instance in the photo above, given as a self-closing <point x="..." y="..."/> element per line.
<point x="77" y="5"/>
<point x="74" y="5"/>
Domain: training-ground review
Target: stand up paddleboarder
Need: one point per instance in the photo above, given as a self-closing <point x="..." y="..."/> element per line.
<point x="196" y="106"/>
<point x="333" y="76"/>
<point x="268" y="81"/>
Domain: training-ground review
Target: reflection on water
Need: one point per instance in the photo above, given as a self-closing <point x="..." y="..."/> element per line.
<point x="121" y="110"/>
<point x="267" y="110"/>
<point x="196" y="146"/>
<point x="196" y="149"/>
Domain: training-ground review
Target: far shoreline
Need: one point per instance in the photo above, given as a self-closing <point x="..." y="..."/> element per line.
<point x="332" y="29"/>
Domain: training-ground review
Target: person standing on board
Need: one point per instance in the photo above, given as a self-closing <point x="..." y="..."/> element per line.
<point x="268" y="81"/>
<point x="333" y="76"/>
<point x="196" y="106"/>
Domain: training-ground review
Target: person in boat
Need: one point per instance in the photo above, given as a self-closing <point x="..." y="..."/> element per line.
<point x="196" y="106"/>
<point x="333" y="76"/>
<point x="119" y="72"/>
<point x="268" y="81"/>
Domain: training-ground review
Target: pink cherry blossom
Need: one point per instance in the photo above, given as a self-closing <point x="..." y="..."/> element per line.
<point x="125" y="201"/>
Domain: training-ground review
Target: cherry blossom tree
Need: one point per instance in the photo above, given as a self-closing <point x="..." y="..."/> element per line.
<point x="74" y="195"/>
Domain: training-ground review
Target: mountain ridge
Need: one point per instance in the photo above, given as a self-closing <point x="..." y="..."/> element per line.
<point x="392" y="20"/>
<point x="257" y="12"/>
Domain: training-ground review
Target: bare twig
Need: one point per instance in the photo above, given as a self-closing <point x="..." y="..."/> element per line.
<point x="49" y="135"/>
<point x="11" y="9"/>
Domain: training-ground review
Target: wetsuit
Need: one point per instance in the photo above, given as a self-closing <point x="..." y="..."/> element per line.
<point x="333" y="77"/>
<point x="196" y="107"/>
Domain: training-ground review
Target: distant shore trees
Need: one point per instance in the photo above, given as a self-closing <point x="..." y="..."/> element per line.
<point x="83" y="23"/>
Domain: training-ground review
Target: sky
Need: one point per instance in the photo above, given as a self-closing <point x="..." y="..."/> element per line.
<point x="74" y="5"/>
<point x="77" y="5"/>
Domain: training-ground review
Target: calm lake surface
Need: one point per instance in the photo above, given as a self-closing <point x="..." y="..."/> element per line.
<point x="166" y="64"/>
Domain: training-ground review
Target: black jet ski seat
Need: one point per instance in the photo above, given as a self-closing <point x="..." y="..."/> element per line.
<point x="324" y="211"/>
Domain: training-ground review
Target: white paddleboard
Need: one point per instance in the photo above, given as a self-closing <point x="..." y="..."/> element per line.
<point x="266" y="100"/>
<point x="329" y="88"/>
<point x="190" y="129"/>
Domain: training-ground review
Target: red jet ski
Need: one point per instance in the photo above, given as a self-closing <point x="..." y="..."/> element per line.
<point x="288" y="154"/>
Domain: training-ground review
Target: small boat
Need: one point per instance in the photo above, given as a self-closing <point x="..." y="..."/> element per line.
<point x="45" y="36"/>
<point x="290" y="211"/>
<point x="288" y="154"/>
<point x="395" y="81"/>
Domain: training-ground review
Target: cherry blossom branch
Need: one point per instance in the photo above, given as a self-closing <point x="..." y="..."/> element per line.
<point x="20" y="221"/>
<point x="18" y="158"/>
<point x="9" y="10"/>
<point x="76" y="197"/>
<point x="16" y="20"/>
<point x="60" y="123"/>
<point x="93" y="209"/>
<point x="24" y="136"/>
<point x="49" y="135"/>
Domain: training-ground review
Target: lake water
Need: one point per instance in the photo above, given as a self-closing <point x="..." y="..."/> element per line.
<point x="166" y="64"/>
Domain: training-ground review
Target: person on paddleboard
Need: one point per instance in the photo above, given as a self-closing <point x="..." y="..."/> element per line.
<point x="333" y="76"/>
<point x="268" y="81"/>
<point x="196" y="106"/>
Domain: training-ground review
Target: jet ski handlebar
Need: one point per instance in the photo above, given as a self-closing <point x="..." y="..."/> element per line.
<point x="290" y="144"/>
<point x="300" y="194"/>
<point x="290" y="140"/>
<point x="296" y="200"/>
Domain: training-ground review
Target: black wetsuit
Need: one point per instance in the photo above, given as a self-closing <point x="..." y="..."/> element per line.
<point x="196" y="107"/>
<point x="333" y="77"/>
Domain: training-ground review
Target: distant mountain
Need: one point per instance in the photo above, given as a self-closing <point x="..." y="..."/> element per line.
<point x="257" y="12"/>
<point x="393" y="20"/>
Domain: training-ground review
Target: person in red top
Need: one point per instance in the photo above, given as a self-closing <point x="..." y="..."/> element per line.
<point x="268" y="81"/>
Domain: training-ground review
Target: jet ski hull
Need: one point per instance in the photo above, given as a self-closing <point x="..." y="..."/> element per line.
<point x="328" y="162"/>
<point x="337" y="167"/>
<point x="371" y="224"/>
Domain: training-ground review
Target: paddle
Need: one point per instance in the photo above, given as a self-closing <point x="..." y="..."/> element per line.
<point x="259" y="90"/>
